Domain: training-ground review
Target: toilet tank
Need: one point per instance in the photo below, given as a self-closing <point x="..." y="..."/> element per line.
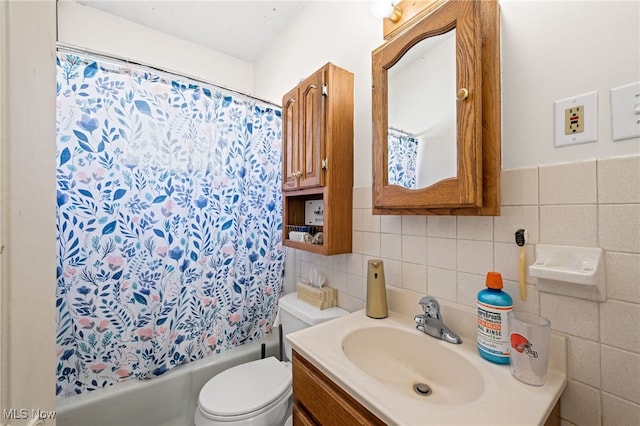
<point x="296" y="315"/>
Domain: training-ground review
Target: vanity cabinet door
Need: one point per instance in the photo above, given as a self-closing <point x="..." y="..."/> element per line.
<point x="318" y="400"/>
<point x="301" y="418"/>
<point x="303" y="134"/>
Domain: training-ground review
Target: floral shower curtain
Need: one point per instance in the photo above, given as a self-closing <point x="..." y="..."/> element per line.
<point x="403" y="153"/>
<point x="169" y="222"/>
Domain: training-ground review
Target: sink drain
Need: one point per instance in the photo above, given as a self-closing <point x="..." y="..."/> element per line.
<point x="422" y="389"/>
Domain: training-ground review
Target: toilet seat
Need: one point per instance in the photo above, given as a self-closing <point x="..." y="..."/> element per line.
<point x="227" y="398"/>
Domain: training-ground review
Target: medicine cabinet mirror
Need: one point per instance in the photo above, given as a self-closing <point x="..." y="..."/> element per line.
<point x="436" y="113"/>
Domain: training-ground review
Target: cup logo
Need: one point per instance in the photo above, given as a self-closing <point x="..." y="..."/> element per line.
<point x="522" y="345"/>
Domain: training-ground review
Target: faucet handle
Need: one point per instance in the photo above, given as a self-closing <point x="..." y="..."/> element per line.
<point x="430" y="307"/>
<point x="420" y="321"/>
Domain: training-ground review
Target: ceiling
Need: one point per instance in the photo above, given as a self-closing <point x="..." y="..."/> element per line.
<point x="242" y="28"/>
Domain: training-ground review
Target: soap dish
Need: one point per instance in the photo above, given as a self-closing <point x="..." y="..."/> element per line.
<point x="570" y="271"/>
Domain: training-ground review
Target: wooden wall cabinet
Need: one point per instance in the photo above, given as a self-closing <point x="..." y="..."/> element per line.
<point x="317" y="159"/>
<point x="475" y="189"/>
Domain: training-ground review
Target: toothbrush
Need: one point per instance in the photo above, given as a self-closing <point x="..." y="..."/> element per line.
<point x="521" y="237"/>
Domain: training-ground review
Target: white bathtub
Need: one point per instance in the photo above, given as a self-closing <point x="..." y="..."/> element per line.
<point x="168" y="400"/>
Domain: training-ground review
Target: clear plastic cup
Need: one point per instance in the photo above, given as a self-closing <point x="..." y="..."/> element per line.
<point x="528" y="346"/>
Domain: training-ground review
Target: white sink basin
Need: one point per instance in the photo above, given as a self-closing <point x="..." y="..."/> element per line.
<point x="411" y="358"/>
<point x="378" y="362"/>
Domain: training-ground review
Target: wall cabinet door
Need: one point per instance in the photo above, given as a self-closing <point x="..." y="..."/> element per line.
<point x="303" y="136"/>
<point x="472" y="187"/>
<point x="290" y="145"/>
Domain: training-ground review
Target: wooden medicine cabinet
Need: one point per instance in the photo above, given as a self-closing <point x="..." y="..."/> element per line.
<point x="436" y="111"/>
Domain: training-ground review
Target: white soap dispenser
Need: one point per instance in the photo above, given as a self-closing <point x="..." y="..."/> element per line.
<point x="376" y="290"/>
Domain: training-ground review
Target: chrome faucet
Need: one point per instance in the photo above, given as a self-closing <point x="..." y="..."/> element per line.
<point x="431" y="321"/>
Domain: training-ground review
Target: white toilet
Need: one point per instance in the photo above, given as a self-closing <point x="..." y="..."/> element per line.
<point x="258" y="393"/>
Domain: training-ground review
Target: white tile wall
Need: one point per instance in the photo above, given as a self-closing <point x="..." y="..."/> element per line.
<point x="414" y="249"/>
<point x="568" y="183"/>
<point x="441" y="252"/>
<point x="584" y="361"/>
<point x="619" y="180"/>
<point x="569" y="225"/>
<point x="442" y="283"/>
<point x="580" y="404"/>
<point x="620" y="325"/>
<point x="588" y="203"/>
<point x="620" y="373"/>
<point x="618" y="411"/>
<point x="391" y="224"/>
<point x="468" y="287"/>
<point x="575" y="317"/>
<point x="414" y="225"/>
<point x="475" y="257"/>
<point x="520" y="187"/>
<point x="619" y="227"/>
<point x="371" y="243"/>
<point x="475" y="228"/>
<point x="414" y="277"/>
<point x="623" y="276"/>
<point x="441" y="226"/>
<point x="391" y="246"/>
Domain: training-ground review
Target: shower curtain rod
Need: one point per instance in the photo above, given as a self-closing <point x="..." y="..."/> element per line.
<point x="64" y="47"/>
<point x="416" y="135"/>
<point x="397" y="129"/>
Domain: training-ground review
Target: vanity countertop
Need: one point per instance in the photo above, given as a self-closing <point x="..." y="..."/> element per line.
<point x="503" y="401"/>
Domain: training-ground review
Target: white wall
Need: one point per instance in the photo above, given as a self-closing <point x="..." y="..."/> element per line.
<point x="343" y="33"/>
<point x="550" y="50"/>
<point x="28" y="257"/>
<point x="553" y="50"/>
<point x="86" y="27"/>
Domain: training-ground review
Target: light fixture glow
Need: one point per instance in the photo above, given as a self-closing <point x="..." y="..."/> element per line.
<point x="385" y="9"/>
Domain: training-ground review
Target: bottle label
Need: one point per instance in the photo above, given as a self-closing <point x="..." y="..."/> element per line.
<point x="493" y="336"/>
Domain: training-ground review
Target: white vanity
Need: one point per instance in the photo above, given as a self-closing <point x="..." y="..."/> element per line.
<point x="377" y="363"/>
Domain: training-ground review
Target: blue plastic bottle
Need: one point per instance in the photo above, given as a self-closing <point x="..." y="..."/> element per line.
<point x="493" y="307"/>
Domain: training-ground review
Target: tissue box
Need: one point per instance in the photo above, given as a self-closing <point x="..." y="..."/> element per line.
<point x="321" y="298"/>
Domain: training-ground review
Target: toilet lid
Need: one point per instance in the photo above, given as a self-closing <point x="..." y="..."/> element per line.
<point x="245" y="388"/>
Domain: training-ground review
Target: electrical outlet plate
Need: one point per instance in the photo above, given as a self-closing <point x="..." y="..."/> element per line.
<point x="625" y="112"/>
<point x="576" y="120"/>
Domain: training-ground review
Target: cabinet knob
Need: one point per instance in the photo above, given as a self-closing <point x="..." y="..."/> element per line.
<point x="462" y="94"/>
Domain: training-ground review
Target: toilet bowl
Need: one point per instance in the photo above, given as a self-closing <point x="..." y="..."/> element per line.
<point x="258" y="393"/>
<point x="254" y="393"/>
